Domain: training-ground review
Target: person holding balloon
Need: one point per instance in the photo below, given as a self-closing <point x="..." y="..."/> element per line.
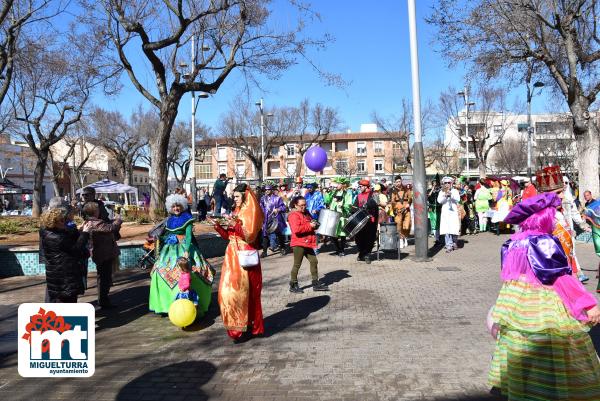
<point x="177" y="241"/>
<point x="241" y="280"/>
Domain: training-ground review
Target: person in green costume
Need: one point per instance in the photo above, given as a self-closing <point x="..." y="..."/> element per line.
<point x="340" y="201"/>
<point x="178" y="241"/>
<point x="483" y="196"/>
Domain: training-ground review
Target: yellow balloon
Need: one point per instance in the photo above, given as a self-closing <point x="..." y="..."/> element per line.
<point x="182" y="312"/>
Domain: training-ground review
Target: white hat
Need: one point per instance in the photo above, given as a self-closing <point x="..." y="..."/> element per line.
<point x="447" y="180"/>
<point x="565" y="179"/>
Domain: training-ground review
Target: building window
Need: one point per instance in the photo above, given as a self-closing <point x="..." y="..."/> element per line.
<point x="396" y="146"/>
<point x="275" y="151"/>
<point x="378" y="166"/>
<point x="341" y="146"/>
<point x="326" y="147"/>
<point x="135" y="178"/>
<point x="222" y="169"/>
<point x="291" y="150"/>
<point x="203" y="171"/>
<point x="291" y="169"/>
<point x="222" y="154"/>
<point x="146" y="180"/>
<point x="361" y="148"/>
<point x="114" y="172"/>
<point x="378" y="147"/>
<point x="274" y="167"/>
<point x="361" y="166"/>
<point x="240" y="170"/>
<point x="341" y="166"/>
<point x="239" y="154"/>
<point x="497" y="130"/>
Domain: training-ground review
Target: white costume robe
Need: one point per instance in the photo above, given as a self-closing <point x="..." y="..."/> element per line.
<point x="449" y="220"/>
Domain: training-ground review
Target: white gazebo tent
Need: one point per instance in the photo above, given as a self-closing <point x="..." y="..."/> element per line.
<point x="111" y="187"/>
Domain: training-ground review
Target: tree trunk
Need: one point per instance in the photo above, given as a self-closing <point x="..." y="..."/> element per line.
<point x="587" y="137"/>
<point x="482" y="173"/>
<point x="587" y="151"/>
<point x="38" y="183"/>
<point x="159" y="147"/>
<point x="127" y="181"/>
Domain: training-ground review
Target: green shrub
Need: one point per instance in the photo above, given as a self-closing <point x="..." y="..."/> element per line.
<point x="9" y="227"/>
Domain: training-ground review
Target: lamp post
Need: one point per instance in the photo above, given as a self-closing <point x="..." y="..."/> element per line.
<point x="260" y="105"/>
<point x="420" y="190"/>
<point x="465" y="96"/>
<point x="4" y="172"/>
<point x="530" y="129"/>
<point x="202" y="95"/>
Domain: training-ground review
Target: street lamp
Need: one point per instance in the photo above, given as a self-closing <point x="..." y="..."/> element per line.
<point x="260" y="105"/>
<point x="465" y="96"/>
<point x="4" y="172"/>
<point x="530" y="129"/>
<point x="201" y="95"/>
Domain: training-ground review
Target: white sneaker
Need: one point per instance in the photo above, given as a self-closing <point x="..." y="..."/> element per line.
<point x="405" y="242"/>
<point x="400" y="243"/>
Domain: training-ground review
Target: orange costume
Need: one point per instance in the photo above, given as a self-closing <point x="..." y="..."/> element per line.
<point x="239" y="289"/>
<point x="401" y="200"/>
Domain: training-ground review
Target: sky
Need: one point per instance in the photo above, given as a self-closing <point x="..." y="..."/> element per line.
<point x="371" y="52"/>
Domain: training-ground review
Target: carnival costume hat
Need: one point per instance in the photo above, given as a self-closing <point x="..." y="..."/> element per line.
<point x="447" y="179"/>
<point x="377" y="187"/>
<point x="311" y="185"/>
<point x="175" y="199"/>
<point x="522" y="210"/>
<point x="299" y="180"/>
<point x="549" y="179"/>
<point x="268" y="186"/>
<point x="341" y="180"/>
<point x="364" y="183"/>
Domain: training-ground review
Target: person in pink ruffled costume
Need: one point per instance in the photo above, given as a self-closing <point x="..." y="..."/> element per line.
<point x="542" y="315"/>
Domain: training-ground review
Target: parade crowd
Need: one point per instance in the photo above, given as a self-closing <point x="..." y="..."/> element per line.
<point x="540" y="320"/>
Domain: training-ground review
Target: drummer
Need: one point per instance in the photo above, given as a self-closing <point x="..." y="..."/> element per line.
<point x="365" y="238"/>
<point x="341" y="201"/>
<point x="273" y="209"/>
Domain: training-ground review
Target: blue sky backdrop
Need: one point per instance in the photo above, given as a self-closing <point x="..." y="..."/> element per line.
<point x="371" y="52"/>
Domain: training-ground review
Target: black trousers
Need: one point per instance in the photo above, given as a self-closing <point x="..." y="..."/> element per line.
<point x="104" y="280"/>
<point x="280" y="241"/>
<point x="365" y="239"/>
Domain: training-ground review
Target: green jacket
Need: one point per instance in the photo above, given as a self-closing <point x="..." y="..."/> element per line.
<point x="342" y="202"/>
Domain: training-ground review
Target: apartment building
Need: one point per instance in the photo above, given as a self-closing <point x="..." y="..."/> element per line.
<point x="352" y="154"/>
<point x="552" y="142"/>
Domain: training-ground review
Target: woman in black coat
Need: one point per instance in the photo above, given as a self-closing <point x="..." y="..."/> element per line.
<point x="64" y="249"/>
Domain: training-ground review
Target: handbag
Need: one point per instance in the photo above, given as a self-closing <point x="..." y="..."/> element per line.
<point x="247" y="258"/>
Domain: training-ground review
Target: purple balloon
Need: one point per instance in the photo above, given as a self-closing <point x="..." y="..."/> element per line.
<point x="315" y="158"/>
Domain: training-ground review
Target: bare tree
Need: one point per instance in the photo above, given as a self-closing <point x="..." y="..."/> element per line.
<point x="50" y="89"/>
<point x="241" y="129"/>
<point x="236" y="34"/>
<point x="442" y="156"/>
<point x="311" y="125"/>
<point x="344" y="164"/>
<point x="486" y="124"/>
<point x="560" y="37"/>
<point x="17" y="18"/>
<point x="510" y="157"/>
<point x="399" y="129"/>
<point x="122" y="141"/>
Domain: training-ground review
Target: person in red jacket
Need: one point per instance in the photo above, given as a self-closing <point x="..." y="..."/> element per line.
<point x="303" y="243"/>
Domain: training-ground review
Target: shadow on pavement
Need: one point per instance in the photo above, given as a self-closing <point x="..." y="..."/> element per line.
<point x="294" y="313"/>
<point x="132" y="303"/>
<point x="180" y="380"/>
<point x="473" y="397"/>
<point x="335" y="276"/>
<point x="211" y="314"/>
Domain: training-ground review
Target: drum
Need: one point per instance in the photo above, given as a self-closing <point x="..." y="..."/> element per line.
<point x="388" y="237"/>
<point x="328" y="222"/>
<point x="356" y="222"/>
<point x="272" y="224"/>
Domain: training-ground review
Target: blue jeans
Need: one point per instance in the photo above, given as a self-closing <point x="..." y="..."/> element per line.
<point x="451" y="240"/>
<point x="218" y="205"/>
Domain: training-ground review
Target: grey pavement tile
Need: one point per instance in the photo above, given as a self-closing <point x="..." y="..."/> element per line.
<point x="387" y="331"/>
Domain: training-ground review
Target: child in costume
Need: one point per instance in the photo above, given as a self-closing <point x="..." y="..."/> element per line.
<point x="185" y="281"/>
<point x="542" y="314"/>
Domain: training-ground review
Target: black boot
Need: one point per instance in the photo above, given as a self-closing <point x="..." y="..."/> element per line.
<point x="295" y="288"/>
<point x="368" y="259"/>
<point x="318" y="286"/>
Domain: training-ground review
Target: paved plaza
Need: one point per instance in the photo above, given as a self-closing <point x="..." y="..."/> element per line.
<point x="386" y="331"/>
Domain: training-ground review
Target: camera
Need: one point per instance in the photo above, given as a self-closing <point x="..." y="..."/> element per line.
<point x="316" y="223"/>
